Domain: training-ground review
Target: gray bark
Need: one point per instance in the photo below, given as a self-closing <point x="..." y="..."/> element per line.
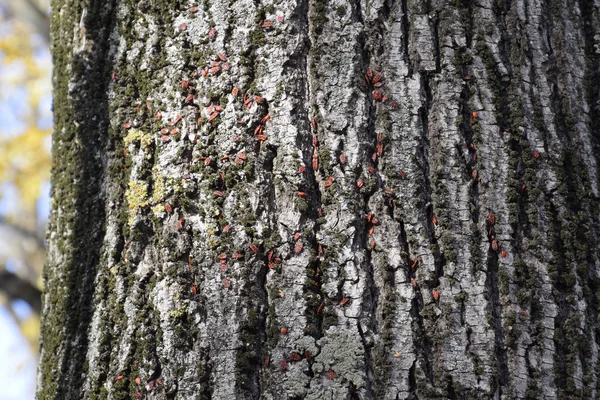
<point x="405" y="286"/>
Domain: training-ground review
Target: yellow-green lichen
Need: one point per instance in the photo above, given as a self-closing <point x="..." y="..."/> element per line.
<point x="136" y="196"/>
<point x="160" y="187"/>
<point x="136" y="135"/>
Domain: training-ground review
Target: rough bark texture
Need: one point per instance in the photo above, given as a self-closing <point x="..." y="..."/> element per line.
<point x="492" y="108"/>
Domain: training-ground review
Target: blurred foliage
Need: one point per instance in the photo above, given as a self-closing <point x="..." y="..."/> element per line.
<point x="25" y="160"/>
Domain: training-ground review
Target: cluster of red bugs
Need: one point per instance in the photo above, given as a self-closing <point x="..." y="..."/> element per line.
<point x="215" y="67"/>
<point x="375" y="79"/>
<point x="138" y="381"/>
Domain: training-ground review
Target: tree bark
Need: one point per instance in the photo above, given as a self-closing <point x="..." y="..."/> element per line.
<point x="432" y="233"/>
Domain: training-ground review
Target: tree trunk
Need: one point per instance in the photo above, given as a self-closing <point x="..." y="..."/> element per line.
<point x="427" y="230"/>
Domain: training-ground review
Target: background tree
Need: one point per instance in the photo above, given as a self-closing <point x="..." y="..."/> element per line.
<point x="239" y="212"/>
<point x="25" y="121"/>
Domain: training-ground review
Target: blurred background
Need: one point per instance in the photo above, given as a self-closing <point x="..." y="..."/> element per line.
<point x="25" y="127"/>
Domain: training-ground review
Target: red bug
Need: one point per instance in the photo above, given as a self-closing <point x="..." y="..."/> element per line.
<point x="174" y="131"/>
<point x="127" y="125"/>
<point x="491" y="219"/>
<point x="183" y="27"/>
<point x="369" y="76"/>
<point x="254" y="248"/>
<point x="175" y="121"/>
<point x="328" y="182"/>
<point x="413" y="282"/>
<point x="320" y="212"/>
<point x="265" y="118"/>
<point x="218" y="193"/>
<point x="280" y="19"/>
<point x="215" y="70"/>
<point x="184" y="84"/>
<point x="119" y="378"/>
<point x="188" y="99"/>
<point x="344" y="301"/>
<point x="272" y="265"/>
<point x="270" y="255"/>
<point x="297" y="236"/>
<point x="308" y="355"/>
<point x="226" y="282"/>
<point x="434" y="220"/>
<point x="315" y="162"/>
<point x="414" y="263"/>
<point x="204" y="72"/>
<point x="235" y="91"/>
<point x="320" y="308"/>
<point x="374" y="156"/>
<point x="315" y="141"/>
<point x="259" y="129"/>
<point x="436" y="295"/>
<point x="267" y="361"/>
<point x="295" y="356"/>
<point x="283" y="365"/>
<point x="301" y="168"/>
<point x="375" y="221"/>
<point x="379" y="149"/>
<point x="213" y="116"/>
<point x="402" y="174"/>
<point x="166" y="139"/>
<point x="227" y="228"/>
<point x="261" y="138"/>
<point x="377" y="95"/>
<point x="371" y="170"/>
<point x="223" y="267"/>
<point x="180" y="223"/>
<point x="298" y="248"/>
<point x="164" y="131"/>
<point x="236" y="256"/>
<point x="378" y="84"/>
<point x="343" y="159"/>
<point x="313" y="123"/>
<point x="138" y="381"/>
<point x="222" y="256"/>
<point x="193" y="9"/>
<point x="222" y="57"/>
<point x="536" y="154"/>
<point x="283" y="330"/>
<point x="503" y="254"/>
<point x="371" y="230"/>
<point x="158" y="115"/>
<point x="168" y="208"/>
<point x="266" y="25"/>
<point x="194" y="291"/>
<point x="212" y="33"/>
<point x="523" y="187"/>
<point x="495" y="245"/>
<point x="330" y="374"/>
<point x="359" y="183"/>
<point x="301" y="194"/>
<point x="377" y="77"/>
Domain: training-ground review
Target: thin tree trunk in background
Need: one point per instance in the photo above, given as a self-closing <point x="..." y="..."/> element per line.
<point x="432" y="233"/>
